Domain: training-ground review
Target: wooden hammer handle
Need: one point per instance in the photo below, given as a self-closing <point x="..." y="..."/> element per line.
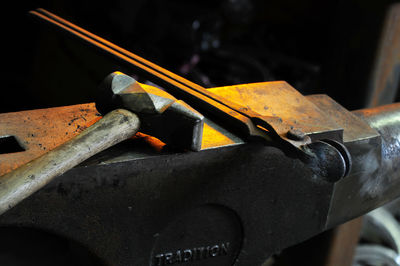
<point x="113" y="128"/>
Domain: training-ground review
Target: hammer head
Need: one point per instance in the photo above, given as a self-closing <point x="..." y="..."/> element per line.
<point x="161" y="115"/>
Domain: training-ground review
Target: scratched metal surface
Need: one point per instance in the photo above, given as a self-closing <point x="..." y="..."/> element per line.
<point x="133" y="190"/>
<point x="377" y="180"/>
<point x="283" y="107"/>
<point x="40" y="131"/>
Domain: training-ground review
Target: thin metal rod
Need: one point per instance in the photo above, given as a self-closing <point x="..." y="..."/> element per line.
<point x="143" y="62"/>
<point x="125" y="52"/>
<point x="136" y="60"/>
<point x="113" y="128"/>
<point x="239" y="116"/>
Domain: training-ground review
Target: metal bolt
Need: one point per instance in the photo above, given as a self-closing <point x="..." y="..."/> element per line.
<point x="295" y="134"/>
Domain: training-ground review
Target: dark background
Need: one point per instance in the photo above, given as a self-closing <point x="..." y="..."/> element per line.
<point x="317" y="46"/>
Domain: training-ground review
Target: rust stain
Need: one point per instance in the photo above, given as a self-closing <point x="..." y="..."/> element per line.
<point x="280" y="105"/>
<point x="40" y="131"/>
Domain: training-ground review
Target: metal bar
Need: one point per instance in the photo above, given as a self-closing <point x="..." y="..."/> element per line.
<point x="113" y="128"/>
<point x="242" y="117"/>
<point x="125" y="52"/>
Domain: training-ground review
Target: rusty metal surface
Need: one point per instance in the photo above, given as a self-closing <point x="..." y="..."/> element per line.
<point x="284" y="108"/>
<point x="233" y="113"/>
<point x="385" y="78"/>
<point x="40" y="131"/>
<point x="362" y="141"/>
<point x="354" y="128"/>
<point x="114" y="127"/>
<point x="152" y="189"/>
<point x="128" y="195"/>
<point x="247" y="121"/>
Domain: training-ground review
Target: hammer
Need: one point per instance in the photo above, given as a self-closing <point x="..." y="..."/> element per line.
<point x="153" y="110"/>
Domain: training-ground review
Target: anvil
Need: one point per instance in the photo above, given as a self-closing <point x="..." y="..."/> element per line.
<point x="235" y="202"/>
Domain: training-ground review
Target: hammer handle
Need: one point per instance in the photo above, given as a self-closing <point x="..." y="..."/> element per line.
<point x="113" y="128"/>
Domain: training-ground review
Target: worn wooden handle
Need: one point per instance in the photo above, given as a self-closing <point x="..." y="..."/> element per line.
<point x="113" y="128"/>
